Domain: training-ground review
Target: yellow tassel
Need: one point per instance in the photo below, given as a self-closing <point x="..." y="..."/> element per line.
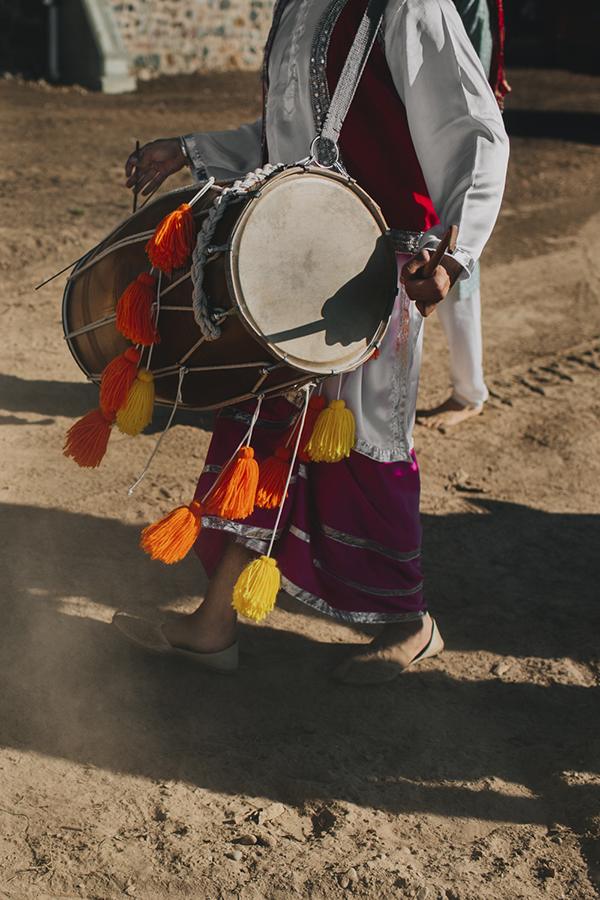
<point x="256" y="589"/>
<point x="173" y="536"/>
<point x="333" y="435"/>
<point x="137" y="412"/>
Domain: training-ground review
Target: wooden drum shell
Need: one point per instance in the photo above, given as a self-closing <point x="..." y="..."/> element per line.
<point x="95" y="286"/>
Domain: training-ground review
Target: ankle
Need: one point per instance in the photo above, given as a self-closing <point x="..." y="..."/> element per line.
<point x="415" y="633"/>
<point x="204" y="636"/>
<point x="213" y="619"/>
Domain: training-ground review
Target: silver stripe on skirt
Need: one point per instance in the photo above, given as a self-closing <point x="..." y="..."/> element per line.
<point x="243" y="531"/>
<point x="360" y="543"/>
<point x="360" y="618"/>
<point x="365" y="544"/>
<point x="376" y="592"/>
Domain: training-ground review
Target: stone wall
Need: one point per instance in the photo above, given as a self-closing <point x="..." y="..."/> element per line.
<point x="172" y="37"/>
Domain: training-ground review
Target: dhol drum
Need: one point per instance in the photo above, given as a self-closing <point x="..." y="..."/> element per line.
<point x="299" y="279"/>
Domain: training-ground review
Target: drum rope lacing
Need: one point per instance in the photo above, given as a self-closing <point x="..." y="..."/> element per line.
<point x="178" y="400"/>
<point x="302" y="417"/>
<point x="202" y="251"/>
<point x="139" y="238"/>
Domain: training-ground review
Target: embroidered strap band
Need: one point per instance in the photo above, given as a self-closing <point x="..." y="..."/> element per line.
<point x="325" y="149"/>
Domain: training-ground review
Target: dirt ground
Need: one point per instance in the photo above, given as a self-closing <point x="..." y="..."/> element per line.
<point x="473" y="777"/>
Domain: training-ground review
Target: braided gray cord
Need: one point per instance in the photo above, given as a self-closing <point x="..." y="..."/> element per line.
<point x="202" y="311"/>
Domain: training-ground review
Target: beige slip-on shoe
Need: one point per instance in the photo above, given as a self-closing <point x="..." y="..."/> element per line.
<point x="150" y="635"/>
<point x="379" y="666"/>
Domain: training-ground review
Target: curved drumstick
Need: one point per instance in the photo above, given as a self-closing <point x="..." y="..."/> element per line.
<point x="448" y="242"/>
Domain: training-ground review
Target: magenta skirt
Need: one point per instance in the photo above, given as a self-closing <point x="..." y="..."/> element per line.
<point x="348" y="542"/>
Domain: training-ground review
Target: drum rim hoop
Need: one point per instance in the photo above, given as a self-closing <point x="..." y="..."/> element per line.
<point x="236" y="291"/>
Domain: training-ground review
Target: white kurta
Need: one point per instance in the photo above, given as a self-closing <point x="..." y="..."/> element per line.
<point x="462" y="148"/>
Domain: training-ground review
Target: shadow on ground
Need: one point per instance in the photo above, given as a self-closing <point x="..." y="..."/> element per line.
<point x="75" y="399"/>
<point x="509" y="580"/>
<point x="580" y="127"/>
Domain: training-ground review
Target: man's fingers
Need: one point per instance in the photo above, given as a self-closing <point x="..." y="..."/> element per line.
<point x="138" y="173"/>
<point x="136" y="160"/>
<point x="140" y="178"/>
<point x="131" y="164"/>
<point x="428" y="292"/>
<point x="413" y="265"/>
<point x="146" y="182"/>
<point x="155" y="183"/>
<point x="148" y="167"/>
<point x="409" y="269"/>
<point x="141" y="161"/>
<point x="431" y="289"/>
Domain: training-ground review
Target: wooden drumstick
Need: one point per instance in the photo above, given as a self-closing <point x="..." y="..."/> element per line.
<point x="448" y="242"/>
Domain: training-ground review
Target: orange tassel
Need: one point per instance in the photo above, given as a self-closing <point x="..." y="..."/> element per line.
<point x="374" y="355"/>
<point x="173" y="240"/>
<point x="235" y="493"/>
<point x="173" y="537"/>
<point x="315" y="405"/>
<point x="117" y="378"/>
<point x="87" y="439"/>
<point x="272" y="477"/>
<point x="135" y="318"/>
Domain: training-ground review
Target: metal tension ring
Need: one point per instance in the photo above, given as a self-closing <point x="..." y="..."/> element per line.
<point x="314" y="159"/>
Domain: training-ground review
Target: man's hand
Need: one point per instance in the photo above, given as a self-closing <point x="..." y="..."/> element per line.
<point x="428" y="292"/>
<point x="154" y="162"/>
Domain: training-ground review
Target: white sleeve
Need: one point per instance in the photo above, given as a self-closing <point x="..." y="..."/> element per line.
<point x="225" y="154"/>
<point x="454" y="120"/>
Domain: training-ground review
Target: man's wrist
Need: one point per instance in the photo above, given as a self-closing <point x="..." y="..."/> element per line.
<point x="452" y="267"/>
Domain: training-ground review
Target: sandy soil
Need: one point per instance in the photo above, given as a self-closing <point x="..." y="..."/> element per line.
<point x="476" y="775"/>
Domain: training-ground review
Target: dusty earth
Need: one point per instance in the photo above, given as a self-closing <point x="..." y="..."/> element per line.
<point x="474" y="776"/>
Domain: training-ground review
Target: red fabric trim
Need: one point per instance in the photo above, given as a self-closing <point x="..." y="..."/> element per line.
<point x="497" y="68"/>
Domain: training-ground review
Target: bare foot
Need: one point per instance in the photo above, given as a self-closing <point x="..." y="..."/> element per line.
<point x="396" y="647"/>
<point x="211" y="627"/>
<point x="447" y="414"/>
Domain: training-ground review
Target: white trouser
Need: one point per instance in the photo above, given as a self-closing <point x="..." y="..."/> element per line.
<point x="461" y="321"/>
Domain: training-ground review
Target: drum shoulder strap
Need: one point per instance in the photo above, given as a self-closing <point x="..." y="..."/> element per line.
<point x="326" y="149"/>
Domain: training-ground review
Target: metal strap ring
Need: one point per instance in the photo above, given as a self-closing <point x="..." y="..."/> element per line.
<point x="316" y="160"/>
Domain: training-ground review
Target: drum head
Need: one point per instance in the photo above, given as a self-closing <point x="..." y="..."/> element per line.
<point x="314" y="271"/>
